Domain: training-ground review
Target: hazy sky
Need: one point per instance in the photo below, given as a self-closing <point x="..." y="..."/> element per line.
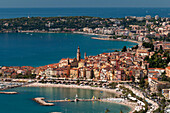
<point x="83" y="3"/>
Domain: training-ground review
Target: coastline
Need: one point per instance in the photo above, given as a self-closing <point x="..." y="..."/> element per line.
<point x="129" y="104"/>
<point x="126" y="103"/>
<point x="94" y="34"/>
<point x="72" y="86"/>
<point x="128" y="40"/>
<point x="103" y="35"/>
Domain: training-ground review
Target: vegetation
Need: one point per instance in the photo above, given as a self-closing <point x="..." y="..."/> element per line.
<point x="46" y="23"/>
<point x="163" y="77"/>
<point x="126" y="91"/>
<point x="107" y="111"/>
<point x="161" y="108"/>
<point x="133" y="22"/>
<point x="113" y="85"/>
<point x="148" y="45"/>
<point x="157" y="61"/>
<point x="30" y="76"/>
<point x="135" y="47"/>
<point x="143" y="84"/>
<point x="124" y="49"/>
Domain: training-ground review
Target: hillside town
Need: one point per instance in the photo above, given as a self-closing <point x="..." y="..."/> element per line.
<point x="144" y="68"/>
<point x="129" y="65"/>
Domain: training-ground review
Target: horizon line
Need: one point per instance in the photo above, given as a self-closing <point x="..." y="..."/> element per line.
<point x="76" y="7"/>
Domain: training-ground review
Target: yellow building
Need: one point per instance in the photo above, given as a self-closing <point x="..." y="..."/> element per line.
<point x="74" y="73"/>
<point x="166" y="93"/>
<point x="168" y="71"/>
<point x="81" y="63"/>
<point x="96" y="73"/>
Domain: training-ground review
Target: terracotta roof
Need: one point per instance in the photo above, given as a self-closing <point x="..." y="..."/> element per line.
<point x="168" y="67"/>
<point x="153" y="72"/>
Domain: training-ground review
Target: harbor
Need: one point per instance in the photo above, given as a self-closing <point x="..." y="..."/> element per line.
<point x="9" y="85"/>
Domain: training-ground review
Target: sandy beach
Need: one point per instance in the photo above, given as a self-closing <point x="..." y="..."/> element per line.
<point x="126" y="103"/>
<point x="73" y="86"/>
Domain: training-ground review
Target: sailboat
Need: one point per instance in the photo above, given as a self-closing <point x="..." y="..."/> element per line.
<point x="76" y="96"/>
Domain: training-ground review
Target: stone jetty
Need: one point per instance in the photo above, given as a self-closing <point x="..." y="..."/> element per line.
<point x="73" y="100"/>
<point x="8" y="93"/>
<point x="41" y="101"/>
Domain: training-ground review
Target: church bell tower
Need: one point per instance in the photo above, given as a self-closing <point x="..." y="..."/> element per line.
<point x="78" y="54"/>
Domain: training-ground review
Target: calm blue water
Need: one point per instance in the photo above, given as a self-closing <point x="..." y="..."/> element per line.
<point x="23" y="103"/>
<point x="38" y="49"/>
<point x="96" y="12"/>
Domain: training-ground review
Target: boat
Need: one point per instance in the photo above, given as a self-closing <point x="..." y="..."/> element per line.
<point x="76" y="96"/>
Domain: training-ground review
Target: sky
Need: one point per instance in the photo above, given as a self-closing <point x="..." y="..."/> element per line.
<point x="82" y="3"/>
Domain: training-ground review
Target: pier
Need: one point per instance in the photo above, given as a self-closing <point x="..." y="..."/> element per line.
<point x="41" y="101"/>
<point x="73" y="100"/>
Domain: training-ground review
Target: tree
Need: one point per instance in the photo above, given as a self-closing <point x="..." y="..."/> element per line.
<point x="142" y="82"/>
<point x="161" y="49"/>
<point x="121" y="111"/>
<point x="92" y="74"/>
<point x="107" y="110"/>
<point x="148" y="45"/>
<point x="133" y="78"/>
<point x="78" y="81"/>
<point x="127" y="77"/>
<point x="135" y="47"/>
<point x="146" y="58"/>
<point x="163" y="77"/>
<point x="124" y="49"/>
<point x="152" y="47"/>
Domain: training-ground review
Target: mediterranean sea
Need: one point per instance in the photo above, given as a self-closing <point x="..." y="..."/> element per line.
<point x="23" y="103"/>
<point x="38" y="49"/>
<point x="95" y="12"/>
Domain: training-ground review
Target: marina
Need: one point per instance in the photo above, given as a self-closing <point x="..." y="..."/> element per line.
<point x="9" y="85"/>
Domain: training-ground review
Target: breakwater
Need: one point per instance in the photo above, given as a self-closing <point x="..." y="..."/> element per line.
<point x="41" y="101"/>
<point x="74" y="100"/>
<point x="8" y="93"/>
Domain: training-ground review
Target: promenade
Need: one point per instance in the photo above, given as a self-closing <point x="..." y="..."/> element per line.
<point x="154" y="105"/>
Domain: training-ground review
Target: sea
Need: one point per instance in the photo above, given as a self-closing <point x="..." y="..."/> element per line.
<point x="95" y="12"/>
<point x="23" y="103"/>
<point x="38" y="49"/>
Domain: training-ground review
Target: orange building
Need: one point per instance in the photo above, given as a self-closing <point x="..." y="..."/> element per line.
<point x="168" y="71"/>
